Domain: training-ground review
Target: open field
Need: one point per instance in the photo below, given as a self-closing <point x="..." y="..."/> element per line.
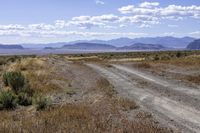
<point x="105" y="92"/>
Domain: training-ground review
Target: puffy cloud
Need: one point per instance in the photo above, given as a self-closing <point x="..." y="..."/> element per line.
<point x="60" y="23"/>
<point x="12" y="27"/>
<point x="99" y="2"/>
<point x="196" y="33"/>
<point x="41" y="26"/>
<point x="144" y="26"/>
<point x="149" y="4"/>
<point x="172" y="26"/>
<point x="105" y="18"/>
<point x="170" y="34"/>
<point x="126" y="9"/>
<point x="87" y="22"/>
<point x="143" y="19"/>
<point x="171" y="11"/>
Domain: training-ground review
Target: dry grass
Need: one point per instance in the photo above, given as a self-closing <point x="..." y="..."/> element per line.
<point x="190" y="61"/>
<point x="127" y="59"/>
<point x="72" y="118"/>
<point x="125" y="104"/>
<point x="84" y="58"/>
<point x="144" y="65"/>
<point x="192" y="78"/>
<point x="105" y="87"/>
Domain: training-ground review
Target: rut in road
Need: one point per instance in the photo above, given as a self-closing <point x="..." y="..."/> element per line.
<point x="184" y="117"/>
<point x="182" y="89"/>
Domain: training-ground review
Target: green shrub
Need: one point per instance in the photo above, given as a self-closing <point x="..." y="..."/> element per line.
<point x="5" y="79"/>
<point x="3" y="61"/>
<point x="156" y="58"/>
<point x="178" y="54"/>
<point x="27" y="89"/>
<point x="41" y="102"/>
<point x="7" y="100"/>
<point x="14" y="79"/>
<point x="24" y="99"/>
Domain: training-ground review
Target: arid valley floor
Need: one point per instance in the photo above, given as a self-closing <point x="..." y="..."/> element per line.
<point x="107" y="92"/>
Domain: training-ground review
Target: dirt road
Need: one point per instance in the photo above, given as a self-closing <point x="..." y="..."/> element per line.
<point x="170" y="110"/>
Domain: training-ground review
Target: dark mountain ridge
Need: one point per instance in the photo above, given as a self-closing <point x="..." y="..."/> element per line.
<point x="195" y="45"/>
<point x="142" y="46"/>
<point x="89" y="46"/>
<point x="3" y="46"/>
<point x="167" y="41"/>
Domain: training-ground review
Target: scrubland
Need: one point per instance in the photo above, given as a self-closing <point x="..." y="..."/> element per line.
<point x="68" y="96"/>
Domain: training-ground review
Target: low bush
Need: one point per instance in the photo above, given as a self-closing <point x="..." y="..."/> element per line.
<point x="2" y="61"/>
<point x="144" y="65"/>
<point x="7" y="100"/>
<point x="41" y="102"/>
<point x="5" y="79"/>
<point x="156" y="58"/>
<point x="15" y="80"/>
<point x="27" y="89"/>
<point x="24" y="99"/>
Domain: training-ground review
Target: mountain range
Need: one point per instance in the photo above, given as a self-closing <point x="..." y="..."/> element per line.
<point x="2" y="46"/>
<point x="167" y="41"/>
<point x="148" y="43"/>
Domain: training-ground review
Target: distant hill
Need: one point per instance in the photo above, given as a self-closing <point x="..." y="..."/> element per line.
<point x="172" y="42"/>
<point x="2" y="46"/>
<point x="142" y="46"/>
<point x="167" y="41"/>
<point x="45" y="45"/>
<point x="89" y="46"/>
<point x="120" y="42"/>
<point x="49" y="48"/>
<point x="195" y="45"/>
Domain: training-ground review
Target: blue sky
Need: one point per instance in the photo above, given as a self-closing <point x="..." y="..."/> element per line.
<point x="43" y="21"/>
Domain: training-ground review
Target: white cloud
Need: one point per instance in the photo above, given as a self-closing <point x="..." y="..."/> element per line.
<point x="171" y="11"/>
<point x="172" y="26"/>
<point x="105" y="18"/>
<point x="196" y="33"/>
<point x="88" y="22"/>
<point x="57" y="34"/>
<point x="12" y="27"/>
<point x="99" y="2"/>
<point x="142" y="19"/>
<point x="144" y="26"/>
<point x="170" y="33"/>
<point x="149" y="4"/>
<point x="41" y="26"/>
<point x="60" y="23"/>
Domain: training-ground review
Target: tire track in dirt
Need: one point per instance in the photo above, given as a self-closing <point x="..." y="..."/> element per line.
<point x="182" y="96"/>
<point x="183" y="117"/>
<point x="189" y="91"/>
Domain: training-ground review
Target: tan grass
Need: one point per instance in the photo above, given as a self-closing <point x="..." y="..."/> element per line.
<point x="71" y="118"/>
